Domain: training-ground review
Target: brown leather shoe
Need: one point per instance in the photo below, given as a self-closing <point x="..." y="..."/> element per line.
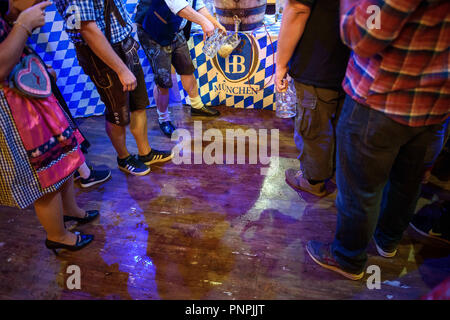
<point x="296" y="181"/>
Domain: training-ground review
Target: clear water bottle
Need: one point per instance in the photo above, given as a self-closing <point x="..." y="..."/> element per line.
<point x="286" y="101"/>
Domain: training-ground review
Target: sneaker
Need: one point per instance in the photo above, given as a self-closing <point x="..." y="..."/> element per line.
<point x="155" y="156"/>
<point x="321" y="254"/>
<point x="77" y="176"/>
<point x="432" y="220"/>
<point x="96" y="177"/>
<point x="133" y="165"/>
<point x="385" y="252"/>
<point x="296" y="180"/>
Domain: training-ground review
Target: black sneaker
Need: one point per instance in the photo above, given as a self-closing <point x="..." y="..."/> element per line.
<point x="133" y="165"/>
<point x="96" y="177"/>
<point x="167" y="128"/>
<point x="433" y="221"/>
<point x="205" y="111"/>
<point x="155" y="156"/>
<point x="385" y="252"/>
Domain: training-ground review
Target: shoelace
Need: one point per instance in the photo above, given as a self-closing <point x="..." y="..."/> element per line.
<point x="133" y="161"/>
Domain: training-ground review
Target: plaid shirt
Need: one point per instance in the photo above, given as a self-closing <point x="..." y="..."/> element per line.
<point x="73" y="11"/>
<point x="402" y="68"/>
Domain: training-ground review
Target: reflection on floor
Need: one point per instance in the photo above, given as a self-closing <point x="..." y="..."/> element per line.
<point x="221" y="231"/>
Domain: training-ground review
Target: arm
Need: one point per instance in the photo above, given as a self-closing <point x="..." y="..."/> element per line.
<point x="365" y="41"/>
<point x="295" y="14"/>
<point x="12" y="47"/>
<point x="184" y="10"/>
<point x="204" y="12"/>
<point x="98" y="43"/>
<point x="190" y="14"/>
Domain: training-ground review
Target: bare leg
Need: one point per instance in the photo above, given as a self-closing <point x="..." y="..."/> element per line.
<point x="162" y="98"/>
<point x="138" y="128"/>
<point x="117" y="135"/>
<point x="69" y="204"/>
<point x="190" y="85"/>
<point x="49" y="212"/>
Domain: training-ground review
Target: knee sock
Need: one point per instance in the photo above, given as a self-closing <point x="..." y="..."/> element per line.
<point x="163" y="116"/>
<point x="84" y="171"/>
<point x="196" y="102"/>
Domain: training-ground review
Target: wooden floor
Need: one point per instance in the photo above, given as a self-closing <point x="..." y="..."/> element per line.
<point x="204" y="232"/>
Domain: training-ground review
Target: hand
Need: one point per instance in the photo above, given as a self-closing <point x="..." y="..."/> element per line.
<point x="34" y="17"/>
<point x="127" y="79"/>
<point x="221" y="27"/>
<point x="208" y="28"/>
<point x="280" y="78"/>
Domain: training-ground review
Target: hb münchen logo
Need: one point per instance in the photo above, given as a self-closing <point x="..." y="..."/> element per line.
<point x="242" y="63"/>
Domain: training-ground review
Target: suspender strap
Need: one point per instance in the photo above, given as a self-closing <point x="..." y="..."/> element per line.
<point x="111" y="8"/>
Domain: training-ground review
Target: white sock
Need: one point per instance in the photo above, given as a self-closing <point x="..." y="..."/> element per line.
<point x="196" y="102"/>
<point x="162" y="100"/>
<point x="84" y="171"/>
<point x="163" y="116"/>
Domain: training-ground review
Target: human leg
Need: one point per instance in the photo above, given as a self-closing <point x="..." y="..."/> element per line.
<point x="182" y="62"/>
<point x="314" y="136"/>
<point x="403" y="189"/>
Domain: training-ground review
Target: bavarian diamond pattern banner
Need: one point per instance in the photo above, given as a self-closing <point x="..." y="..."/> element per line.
<point x="245" y="79"/>
<point x="51" y="42"/>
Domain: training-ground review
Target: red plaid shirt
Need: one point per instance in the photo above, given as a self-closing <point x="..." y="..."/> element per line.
<point x="402" y="68"/>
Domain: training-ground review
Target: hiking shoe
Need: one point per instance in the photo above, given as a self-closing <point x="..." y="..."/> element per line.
<point x="133" y="165"/>
<point x="296" y="180"/>
<point x="321" y="254"/>
<point x="155" y="156"/>
<point x="385" y="252"/>
<point x="96" y="177"/>
<point x="433" y="221"/>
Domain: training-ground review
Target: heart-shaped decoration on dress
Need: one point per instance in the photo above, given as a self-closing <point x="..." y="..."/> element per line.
<point x="33" y="78"/>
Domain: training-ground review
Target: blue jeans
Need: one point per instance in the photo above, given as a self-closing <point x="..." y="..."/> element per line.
<point x="379" y="169"/>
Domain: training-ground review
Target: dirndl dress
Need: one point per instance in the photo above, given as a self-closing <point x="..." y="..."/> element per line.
<point x="39" y="145"/>
<point x="20" y="184"/>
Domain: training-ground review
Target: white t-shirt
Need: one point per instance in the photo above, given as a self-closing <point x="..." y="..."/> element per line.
<point x="177" y="5"/>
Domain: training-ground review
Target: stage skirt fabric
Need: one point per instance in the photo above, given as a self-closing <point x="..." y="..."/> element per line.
<point x="21" y="181"/>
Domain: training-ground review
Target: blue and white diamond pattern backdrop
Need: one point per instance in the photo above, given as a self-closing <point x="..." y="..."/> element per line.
<point x="51" y="42"/>
<point x="245" y="78"/>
